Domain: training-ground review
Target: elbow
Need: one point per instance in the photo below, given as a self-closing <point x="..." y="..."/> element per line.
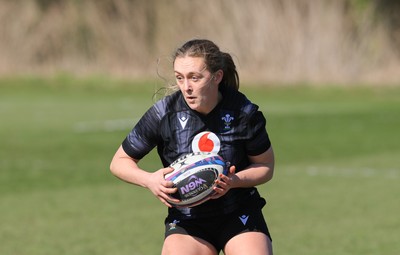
<point x="113" y="168"/>
<point x="269" y="174"/>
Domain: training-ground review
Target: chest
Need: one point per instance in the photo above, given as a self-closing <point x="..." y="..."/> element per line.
<point x="223" y="132"/>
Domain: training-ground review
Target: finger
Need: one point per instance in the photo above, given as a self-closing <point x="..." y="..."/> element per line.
<point x="168" y="170"/>
<point x="173" y="200"/>
<point x="166" y="199"/>
<point x="170" y="190"/>
<point x="221" y="185"/>
<point x="168" y="184"/>
<point x="217" y="194"/>
<point x="165" y="202"/>
<point x="224" y="178"/>
<point x="219" y="189"/>
<point x="232" y="170"/>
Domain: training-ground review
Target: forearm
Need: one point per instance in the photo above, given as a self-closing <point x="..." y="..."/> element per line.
<point x="129" y="173"/>
<point x="254" y="175"/>
<point x="258" y="172"/>
<point x="126" y="169"/>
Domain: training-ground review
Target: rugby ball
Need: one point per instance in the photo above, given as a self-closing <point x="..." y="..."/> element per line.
<point x="194" y="176"/>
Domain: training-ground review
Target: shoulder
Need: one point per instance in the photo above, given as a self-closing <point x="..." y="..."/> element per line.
<point x="170" y="103"/>
<point x="238" y="101"/>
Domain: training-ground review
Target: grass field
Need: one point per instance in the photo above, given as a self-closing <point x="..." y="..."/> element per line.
<point x="335" y="190"/>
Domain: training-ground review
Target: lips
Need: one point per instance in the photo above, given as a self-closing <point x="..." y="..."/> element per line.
<point x="190" y="98"/>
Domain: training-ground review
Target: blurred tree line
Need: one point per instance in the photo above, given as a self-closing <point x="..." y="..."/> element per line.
<point x="387" y="10"/>
<point x="273" y="40"/>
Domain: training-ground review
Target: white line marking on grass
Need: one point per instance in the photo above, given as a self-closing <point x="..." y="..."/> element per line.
<point x="104" y="125"/>
<point x="363" y="172"/>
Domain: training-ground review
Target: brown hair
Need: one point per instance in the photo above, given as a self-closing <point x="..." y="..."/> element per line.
<point x="214" y="59"/>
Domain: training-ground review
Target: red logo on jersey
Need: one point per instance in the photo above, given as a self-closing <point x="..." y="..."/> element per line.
<point x="206" y="142"/>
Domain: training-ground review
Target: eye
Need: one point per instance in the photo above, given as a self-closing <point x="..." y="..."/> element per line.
<point x="195" y="78"/>
<point x="179" y="78"/>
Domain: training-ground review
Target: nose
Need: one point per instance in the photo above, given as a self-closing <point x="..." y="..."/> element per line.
<point x="187" y="86"/>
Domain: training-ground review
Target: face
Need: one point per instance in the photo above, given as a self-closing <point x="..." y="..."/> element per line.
<point x="198" y="85"/>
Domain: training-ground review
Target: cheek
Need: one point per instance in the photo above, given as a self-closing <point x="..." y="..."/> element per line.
<point x="207" y="89"/>
<point x="211" y="90"/>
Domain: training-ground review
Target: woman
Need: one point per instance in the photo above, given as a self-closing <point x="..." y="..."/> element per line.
<point x="206" y="113"/>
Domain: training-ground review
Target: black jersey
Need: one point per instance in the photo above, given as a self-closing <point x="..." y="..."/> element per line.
<point x="234" y="129"/>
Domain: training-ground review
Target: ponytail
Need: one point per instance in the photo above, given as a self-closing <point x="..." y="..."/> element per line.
<point x="231" y="76"/>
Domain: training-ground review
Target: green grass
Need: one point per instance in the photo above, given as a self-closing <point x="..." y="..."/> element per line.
<point x="335" y="189"/>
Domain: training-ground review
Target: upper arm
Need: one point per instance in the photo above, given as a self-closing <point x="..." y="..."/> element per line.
<point x="144" y="136"/>
<point x="266" y="158"/>
<point x="119" y="158"/>
<point x="121" y="154"/>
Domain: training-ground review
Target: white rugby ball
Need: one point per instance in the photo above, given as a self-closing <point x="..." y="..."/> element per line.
<point x="194" y="176"/>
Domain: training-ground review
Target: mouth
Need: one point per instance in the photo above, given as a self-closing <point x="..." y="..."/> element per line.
<point x="191" y="98"/>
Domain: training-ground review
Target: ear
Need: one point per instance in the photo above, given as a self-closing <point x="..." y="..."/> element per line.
<point x="218" y="75"/>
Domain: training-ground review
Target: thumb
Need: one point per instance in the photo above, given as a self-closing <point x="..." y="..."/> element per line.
<point x="232" y="170"/>
<point x="168" y="170"/>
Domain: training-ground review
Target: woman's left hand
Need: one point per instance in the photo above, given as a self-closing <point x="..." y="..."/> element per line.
<point x="225" y="183"/>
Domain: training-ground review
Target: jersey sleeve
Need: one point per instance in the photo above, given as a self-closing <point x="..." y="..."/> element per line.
<point x="144" y="136"/>
<point x="259" y="141"/>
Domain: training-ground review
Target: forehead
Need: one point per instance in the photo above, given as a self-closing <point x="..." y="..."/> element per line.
<point x="189" y="64"/>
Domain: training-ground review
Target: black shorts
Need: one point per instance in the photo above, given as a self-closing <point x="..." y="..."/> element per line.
<point x="219" y="230"/>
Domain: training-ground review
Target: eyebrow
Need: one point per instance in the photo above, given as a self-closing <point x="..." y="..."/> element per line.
<point x="190" y="73"/>
<point x="201" y="71"/>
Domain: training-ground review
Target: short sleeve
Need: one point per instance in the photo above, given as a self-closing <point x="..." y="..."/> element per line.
<point x="259" y="141"/>
<point x="144" y="136"/>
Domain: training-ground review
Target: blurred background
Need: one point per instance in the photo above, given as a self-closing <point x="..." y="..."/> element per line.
<point x="76" y="75"/>
<point x="274" y="41"/>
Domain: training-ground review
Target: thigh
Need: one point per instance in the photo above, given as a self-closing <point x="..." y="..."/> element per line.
<point x="254" y="243"/>
<point x="181" y="244"/>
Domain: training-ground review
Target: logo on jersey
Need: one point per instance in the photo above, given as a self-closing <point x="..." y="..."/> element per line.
<point x="227" y="121"/>
<point x="183" y="120"/>
<point x="244" y="219"/>
<point x="206" y="142"/>
<point x="172" y="225"/>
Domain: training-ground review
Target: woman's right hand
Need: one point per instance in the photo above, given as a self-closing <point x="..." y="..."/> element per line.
<point x="162" y="188"/>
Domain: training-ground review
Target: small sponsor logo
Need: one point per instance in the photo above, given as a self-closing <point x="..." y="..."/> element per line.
<point x="172" y="225"/>
<point x="227" y="121"/>
<point x="183" y="120"/>
<point x="244" y="219"/>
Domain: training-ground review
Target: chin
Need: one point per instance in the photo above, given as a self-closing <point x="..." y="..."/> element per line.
<point x="194" y="108"/>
